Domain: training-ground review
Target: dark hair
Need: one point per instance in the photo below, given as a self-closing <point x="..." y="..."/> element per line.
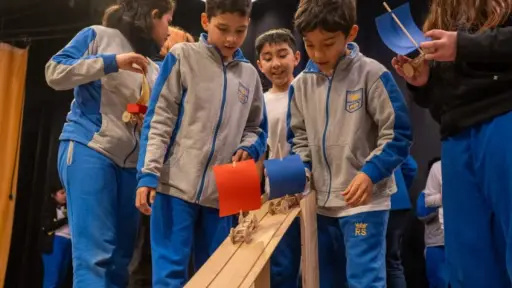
<point x="432" y="162"/>
<point x="275" y="36"/>
<point x="328" y="15"/>
<point x="134" y="19"/>
<point x="217" y="7"/>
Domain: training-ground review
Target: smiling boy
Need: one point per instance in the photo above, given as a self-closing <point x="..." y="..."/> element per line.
<point x="349" y="123"/>
<point x="277" y="55"/>
<point x="206" y="109"/>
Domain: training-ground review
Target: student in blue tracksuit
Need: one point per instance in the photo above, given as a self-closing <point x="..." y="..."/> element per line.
<point x="349" y="123"/>
<point x="400" y="206"/>
<point x="277" y="55"/>
<point x="466" y="86"/>
<point x="206" y="109"/>
<point x="437" y="272"/>
<point x="140" y="266"/>
<point x="98" y="151"/>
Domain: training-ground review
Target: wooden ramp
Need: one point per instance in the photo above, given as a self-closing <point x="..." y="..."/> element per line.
<point x="248" y="265"/>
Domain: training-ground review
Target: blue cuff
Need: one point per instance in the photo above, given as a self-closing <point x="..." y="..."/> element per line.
<point x="148" y="180"/>
<point x="253" y="152"/>
<point x="373" y="171"/>
<point x="109" y="63"/>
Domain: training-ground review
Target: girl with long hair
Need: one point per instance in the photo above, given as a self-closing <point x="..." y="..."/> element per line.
<point x="98" y="151"/>
<point x="466" y="83"/>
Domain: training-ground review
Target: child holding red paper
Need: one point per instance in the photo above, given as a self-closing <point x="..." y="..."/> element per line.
<point x="277" y="57"/>
<point x="206" y="109"/>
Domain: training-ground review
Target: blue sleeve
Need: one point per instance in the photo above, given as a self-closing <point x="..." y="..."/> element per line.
<point x="159" y="122"/>
<point x="409" y="170"/>
<point x="422" y="211"/>
<point x="387" y="107"/>
<point x="296" y="130"/>
<point x="78" y="64"/>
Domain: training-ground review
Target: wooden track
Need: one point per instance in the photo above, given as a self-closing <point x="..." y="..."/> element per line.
<point x="248" y="264"/>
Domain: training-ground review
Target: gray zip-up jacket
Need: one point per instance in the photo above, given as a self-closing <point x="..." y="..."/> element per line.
<point x="201" y="112"/>
<point x="355" y="121"/>
<point x="102" y="91"/>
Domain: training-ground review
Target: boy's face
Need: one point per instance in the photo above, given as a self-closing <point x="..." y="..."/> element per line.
<point x="226" y="31"/>
<point x="60" y="197"/>
<point x="277" y="62"/>
<point x="326" y="48"/>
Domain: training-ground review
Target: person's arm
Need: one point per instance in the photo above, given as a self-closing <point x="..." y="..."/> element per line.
<point x="254" y="137"/>
<point x="424" y="213"/>
<point x="433" y="190"/>
<point x="78" y="64"/>
<point x="492" y="45"/>
<point x="297" y="135"/>
<point x="159" y="122"/>
<point x="409" y="170"/>
<point x="387" y="107"/>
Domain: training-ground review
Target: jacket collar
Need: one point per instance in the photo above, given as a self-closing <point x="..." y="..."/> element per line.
<point x="342" y="63"/>
<point x="215" y="52"/>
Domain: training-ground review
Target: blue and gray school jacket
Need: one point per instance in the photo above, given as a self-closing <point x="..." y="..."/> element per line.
<point x="355" y="121"/>
<point x="404" y="177"/>
<point x="202" y="110"/>
<point x="101" y="92"/>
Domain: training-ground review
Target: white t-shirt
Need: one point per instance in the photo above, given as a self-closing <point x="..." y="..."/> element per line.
<point x="434" y="190"/>
<point x="64" y="230"/>
<point x="277" y="107"/>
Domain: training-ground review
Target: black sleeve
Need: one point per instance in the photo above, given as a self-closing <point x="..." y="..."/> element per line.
<point x="49" y="218"/>
<point x="492" y="45"/>
<point x="420" y="95"/>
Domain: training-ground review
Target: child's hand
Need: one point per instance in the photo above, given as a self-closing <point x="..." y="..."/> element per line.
<point x="443" y="46"/>
<point x="240" y="155"/>
<point x="141" y="199"/>
<point x="127" y="61"/>
<point x="420" y="77"/>
<point x="359" y="191"/>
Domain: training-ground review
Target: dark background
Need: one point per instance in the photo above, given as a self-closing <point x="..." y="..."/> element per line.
<point x="48" y="25"/>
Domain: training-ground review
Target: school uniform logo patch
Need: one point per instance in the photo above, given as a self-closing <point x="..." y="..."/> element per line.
<point x="354" y="100"/>
<point x="243" y="93"/>
<point x="361" y="229"/>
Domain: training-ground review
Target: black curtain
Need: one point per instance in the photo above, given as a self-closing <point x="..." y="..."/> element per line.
<point x="45" y="111"/>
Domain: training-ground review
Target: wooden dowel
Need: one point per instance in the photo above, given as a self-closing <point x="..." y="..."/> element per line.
<point x="402" y="27"/>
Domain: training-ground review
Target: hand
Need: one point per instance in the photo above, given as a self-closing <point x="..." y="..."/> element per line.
<point x="240" y="155"/>
<point x="443" y="46"/>
<point x="420" y="77"/>
<point x="127" y="61"/>
<point x="359" y="191"/>
<point x="141" y="199"/>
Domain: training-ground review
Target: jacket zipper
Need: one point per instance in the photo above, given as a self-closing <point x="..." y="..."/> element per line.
<point x="324" y="148"/>
<point x="219" y="122"/>
<point x="134" y="147"/>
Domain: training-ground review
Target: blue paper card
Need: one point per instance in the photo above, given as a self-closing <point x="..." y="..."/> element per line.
<point x="286" y="176"/>
<point x="393" y="36"/>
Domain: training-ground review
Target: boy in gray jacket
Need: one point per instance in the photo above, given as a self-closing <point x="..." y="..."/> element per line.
<point x="348" y="121"/>
<point x="206" y="109"/>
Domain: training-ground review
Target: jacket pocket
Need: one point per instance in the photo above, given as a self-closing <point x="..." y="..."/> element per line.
<point x="344" y="166"/>
<point x="69" y="156"/>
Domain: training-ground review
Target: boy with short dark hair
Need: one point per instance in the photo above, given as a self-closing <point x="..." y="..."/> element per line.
<point x="277" y="55"/>
<point x="349" y="123"/>
<point x="206" y="109"/>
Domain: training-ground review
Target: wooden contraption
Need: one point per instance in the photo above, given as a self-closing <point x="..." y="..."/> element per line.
<point x="416" y="64"/>
<point x="247" y="263"/>
<point x="135" y="112"/>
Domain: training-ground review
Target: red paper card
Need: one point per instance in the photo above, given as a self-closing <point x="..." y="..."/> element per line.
<point x="238" y="187"/>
